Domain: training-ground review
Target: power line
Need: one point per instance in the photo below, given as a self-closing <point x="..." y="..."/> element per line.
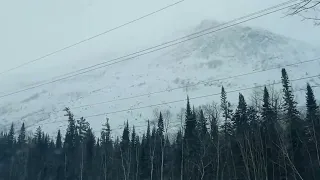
<point x="191" y="98"/>
<point x="92" y="37"/>
<point x="126" y="59"/>
<point x="184" y="37"/>
<point x="198" y="97"/>
<point x="192" y="85"/>
<point x="200" y="82"/>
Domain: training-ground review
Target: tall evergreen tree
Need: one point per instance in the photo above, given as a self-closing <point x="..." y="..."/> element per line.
<point x="240" y="118"/>
<point x="191" y="143"/>
<point x="160" y="126"/>
<point x="270" y="137"/>
<point x="71" y="144"/>
<point x="290" y="105"/>
<point x="59" y="140"/>
<point x="145" y="154"/>
<point x="71" y="137"/>
<point x="22" y="136"/>
<point x="202" y="125"/>
<point x="190" y="130"/>
<point x="313" y="131"/>
<point x="312" y="107"/>
<point x="90" y="141"/>
<point x="226" y="113"/>
<point x="82" y="126"/>
<point x="125" y="152"/>
<point x="295" y="127"/>
<point x="10" y="137"/>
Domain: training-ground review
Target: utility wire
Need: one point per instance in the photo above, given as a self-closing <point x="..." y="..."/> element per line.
<point x="184" y="37"/>
<point x="191" y="98"/>
<point x="200" y="82"/>
<point x="126" y="59"/>
<point x="198" y="97"/>
<point x="192" y="85"/>
<point x="90" y="38"/>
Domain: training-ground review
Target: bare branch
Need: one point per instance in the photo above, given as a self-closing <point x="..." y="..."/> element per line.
<point x="307" y="6"/>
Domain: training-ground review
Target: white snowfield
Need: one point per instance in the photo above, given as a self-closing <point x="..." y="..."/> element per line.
<point x="226" y="53"/>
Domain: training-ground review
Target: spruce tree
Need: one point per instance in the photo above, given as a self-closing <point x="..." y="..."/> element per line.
<point x="22" y="136"/>
<point x="133" y="154"/>
<point x="160" y="142"/>
<point x="312" y="108"/>
<point x="59" y="140"/>
<point x="145" y="154"/>
<point x="106" y="133"/>
<point x="38" y="136"/>
<point x="240" y="118"/>
<point x="125" y="151"/>
<point x="125" y="137"/>
<point x="295" y="126"/>
<point x="90" y="142"/>
<point x="10" y="137"/>
<point x="270" y="137"/>
<point x="71" y="145"/>
<point x="191" y="142"/>
<point x="203" y="131"/>
<point x="160" y="126"/>
<point x="226" y="113"/>
<point x="190" y="127"/>
<point x="266" y="107"/>
<point x="313" y="129"/>
<point x="290" y="104"/>
<point x="82" y="126"/>
<point x="178" y="156"/>
<point x="71" y="136"/>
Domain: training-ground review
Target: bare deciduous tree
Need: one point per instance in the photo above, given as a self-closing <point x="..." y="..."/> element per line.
<point x="307" y="10"/>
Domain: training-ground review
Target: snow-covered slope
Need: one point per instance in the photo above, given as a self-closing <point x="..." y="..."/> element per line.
<point x="226" y="53"/>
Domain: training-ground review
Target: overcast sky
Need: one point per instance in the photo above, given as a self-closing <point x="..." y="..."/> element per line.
<point x="30" y="29"/>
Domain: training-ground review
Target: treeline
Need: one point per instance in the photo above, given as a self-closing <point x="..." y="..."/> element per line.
<point x="273" y="141"/>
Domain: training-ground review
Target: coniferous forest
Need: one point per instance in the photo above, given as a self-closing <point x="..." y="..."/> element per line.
<point x="267" y="140"/>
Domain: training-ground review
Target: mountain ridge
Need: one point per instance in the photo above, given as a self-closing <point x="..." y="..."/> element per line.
<point x="228" y="52"/>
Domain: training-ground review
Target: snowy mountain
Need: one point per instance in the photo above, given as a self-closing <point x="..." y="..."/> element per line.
<point x="223" y="54"/>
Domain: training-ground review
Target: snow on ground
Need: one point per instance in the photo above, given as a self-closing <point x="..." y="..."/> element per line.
<point x="228" y="53"/>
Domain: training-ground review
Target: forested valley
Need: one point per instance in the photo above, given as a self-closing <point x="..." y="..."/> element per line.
<point x="271" y="141"/>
